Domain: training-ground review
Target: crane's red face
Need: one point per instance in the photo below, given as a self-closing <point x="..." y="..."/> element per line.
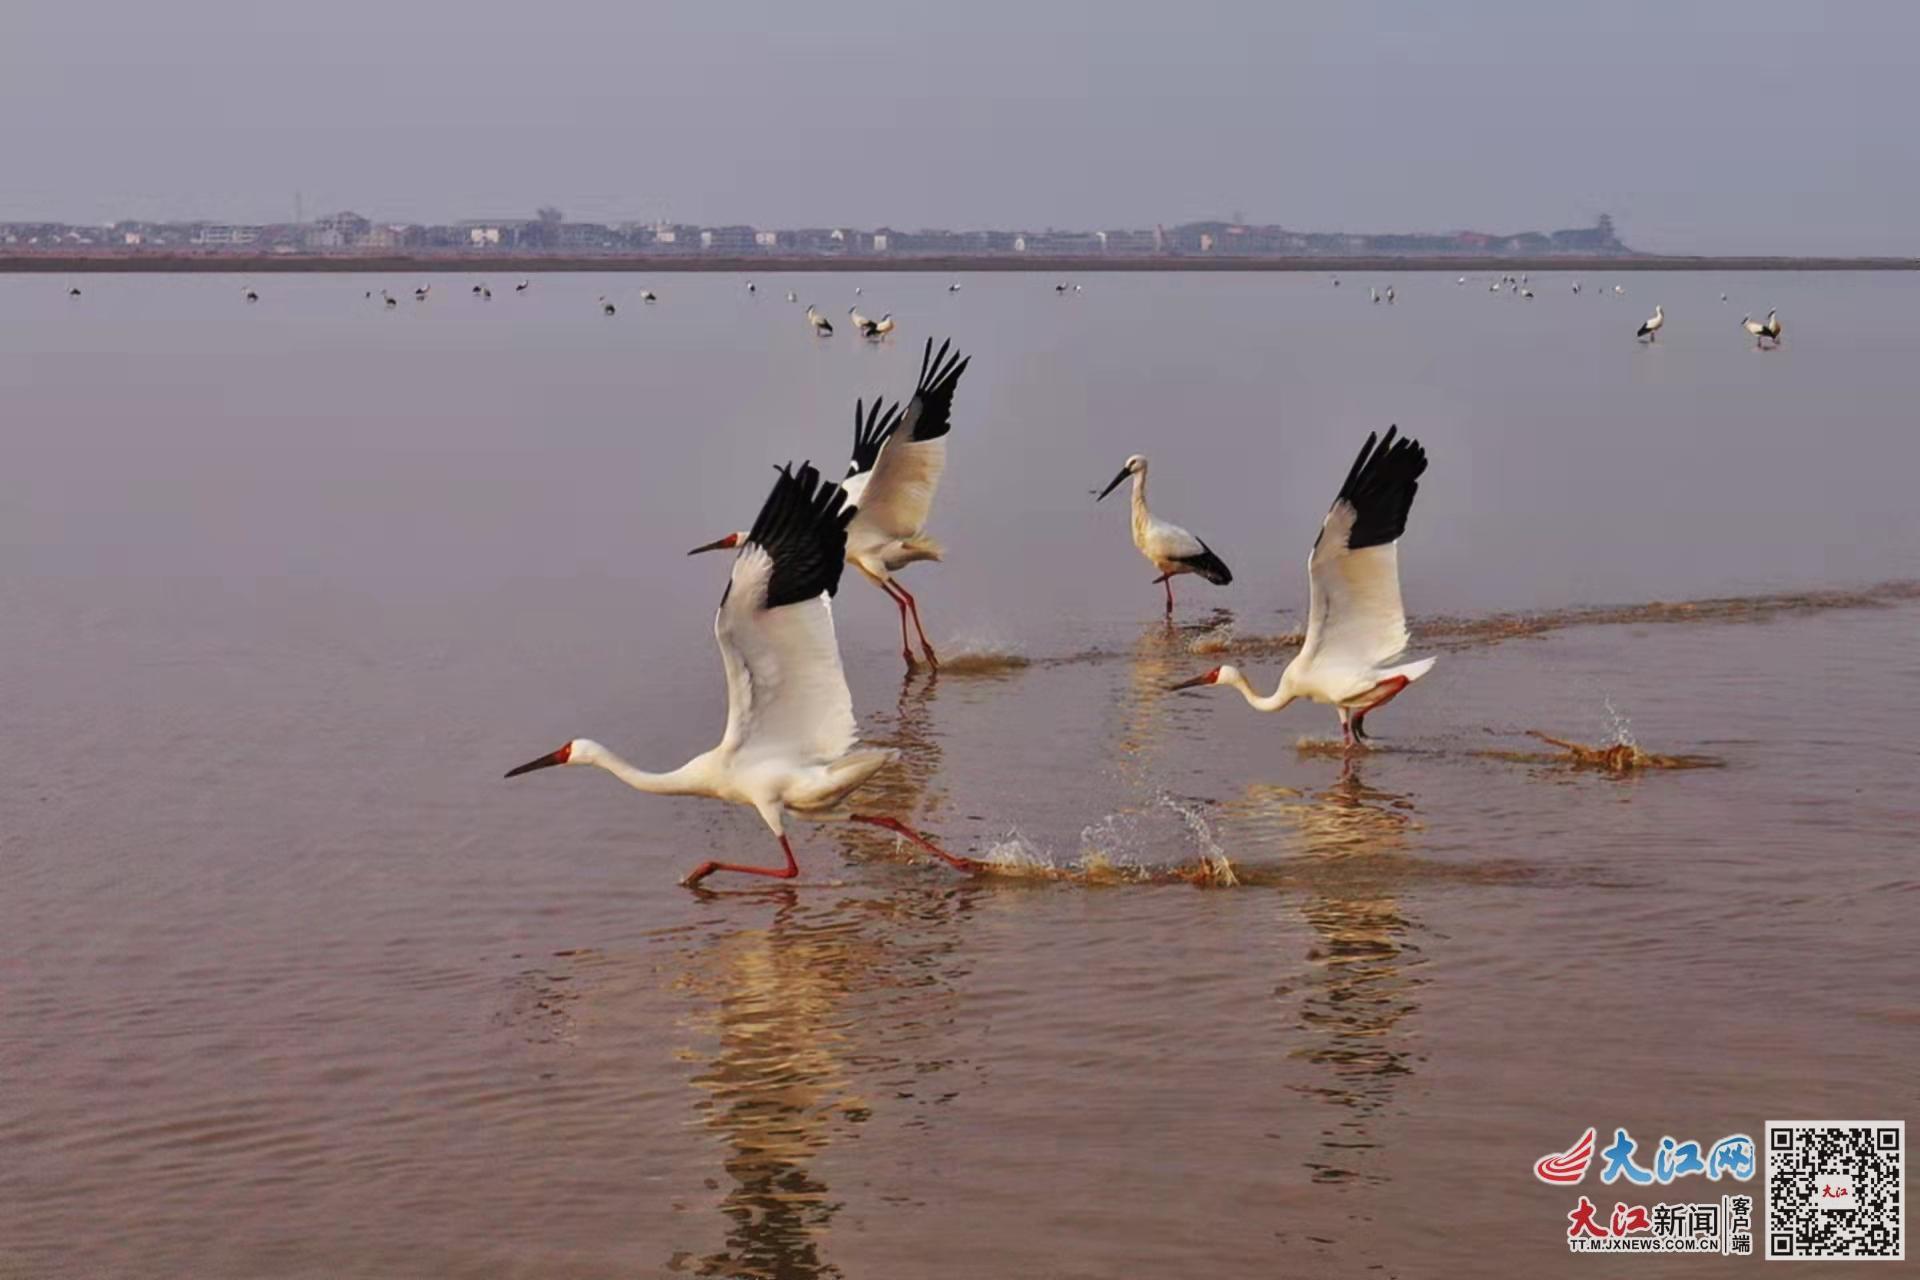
<point x="1211" y="677"/>
<point x="727" y="543"/>
<point x="562" y="756"/>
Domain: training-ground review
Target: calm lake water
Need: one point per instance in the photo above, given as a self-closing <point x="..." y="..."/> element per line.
<point x="296" y="985"/>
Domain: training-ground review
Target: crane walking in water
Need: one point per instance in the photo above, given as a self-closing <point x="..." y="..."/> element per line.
<point x="1170" y="549"/>
<point x="896" y="468"/>
<point x="1356" y="624"/>
<point x="791" y="746"/>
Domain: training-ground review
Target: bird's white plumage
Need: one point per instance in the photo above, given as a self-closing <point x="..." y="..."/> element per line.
<point x="1356" y="622"/>
<point x="897" y="495"/>
<point x="787" y="698"/>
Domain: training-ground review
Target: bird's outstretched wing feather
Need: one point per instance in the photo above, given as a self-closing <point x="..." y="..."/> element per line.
<point x="899" y="497"/>
<point x="1355" y="616"/>
<point x="786" y="691"/>
<point x="871" y="427"/>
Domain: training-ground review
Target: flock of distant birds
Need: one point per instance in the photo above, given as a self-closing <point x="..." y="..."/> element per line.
<point x="791" y="745"/>
<point x="1765" y="333"/>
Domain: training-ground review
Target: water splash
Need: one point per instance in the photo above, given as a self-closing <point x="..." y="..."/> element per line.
<point x="1217" y="639"/>
<point x="1622" y="726"/>
<point x="981" y="656"/>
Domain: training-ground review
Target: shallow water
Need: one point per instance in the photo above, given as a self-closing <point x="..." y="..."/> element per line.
<point x="296" y="985"/>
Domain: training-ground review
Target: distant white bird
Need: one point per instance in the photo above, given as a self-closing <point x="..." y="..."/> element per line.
<point x="1619" y="291"/>
<point x="1757" y="329"/>
<point x="1526" y="293"/>
<point x="1650" y="330"/>
<point x="421" y="291"/>
<point x="1373" y="293"/>
<point x="792" y="297"/>
<point x="1170" y="549"/>
<point x="1061" y="287"/>
<point x="821" y="325"/>
<point x="883" y="326"/>
<point x="897" y="463"/>
<point x="649" y="296"/>
<point x="954" y="287"/>
<point x="1723" y="297"/>
<point x="751" y="287"/>
<point x="1576" y="286"/>
<point x="1389" y="294"/>
<point x="1494" y="287"/>
<point x="73" y="291"/>
<point x="606" y="308"/>
<point x="791" y="745"/>
<point x="522" y="286"/>
<point x="390" y="300"/>
<point x="250" y="295"/>
<point x="1773" y="327"/>
<point x="486" y="292"/>
<point x="1336" y="282"/>
<point x="1356" y="636"/>
<point x="476" y="290"/>
<point x="856" y="291"/>
<point x="861" y="324"/>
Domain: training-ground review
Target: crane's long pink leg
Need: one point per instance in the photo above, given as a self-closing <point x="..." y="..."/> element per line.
<point x="787" y="872"/>
<point x="915" y="606"/>
<point x="900" y="828"/>
<point x="1166" y="580"/>
<point x="906" y="649"/>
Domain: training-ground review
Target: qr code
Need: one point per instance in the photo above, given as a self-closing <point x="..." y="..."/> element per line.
<point x="1835" y="1189"/>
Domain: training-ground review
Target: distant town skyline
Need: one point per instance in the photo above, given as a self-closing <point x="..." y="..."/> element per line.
<point x="1717" y="126"/>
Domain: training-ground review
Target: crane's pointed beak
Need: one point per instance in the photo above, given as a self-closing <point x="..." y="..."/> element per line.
<point x="544" y="762"/>
<point x="724" y="544"/>
<point x="1209" y="677"/>
<point x="1124" y="473"/>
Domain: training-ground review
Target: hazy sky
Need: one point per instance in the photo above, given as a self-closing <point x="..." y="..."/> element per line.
<point x="1746" y="125"/>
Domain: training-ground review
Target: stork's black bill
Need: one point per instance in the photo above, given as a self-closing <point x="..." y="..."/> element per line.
<point x="1380" y="488"/>
<point x="803" y="526"/>
<point x="1124" y="473"/>
<point x="547" y="761"/>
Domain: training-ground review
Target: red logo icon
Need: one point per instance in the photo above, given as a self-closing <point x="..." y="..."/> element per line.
<point x="1566" y="1167"/>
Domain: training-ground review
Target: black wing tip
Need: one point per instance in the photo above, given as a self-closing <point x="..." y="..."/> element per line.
<point x="1208" y="565"/>
<point x="871" y="428"/>
<point x="803" y="526"/>
<point x="932" y="410"/>
<point x="1381" y="486"/>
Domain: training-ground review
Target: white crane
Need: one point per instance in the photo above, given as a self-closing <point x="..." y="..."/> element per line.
<point x="1773" y="327"/>
<point x="792" y="296"/>
<point x="420" y="292"/>
<point x="752" y="288"/>
<point x="1619" y="291"/>
<point x="791" y="746"/>
<point x="821" y="325"/>
<point x="1168" y="547"/>
<point x="861" y="325"/>
<point x="897" y="463"/>
<point x="1373" y="293"/>
<point x="954" y="287"/>
<point x="1356" y="624"/>
<point x="884" y="326"/>
<point x="522" y="286"/>
<point x="251" y="295"/>
<point x="389" y="299"/>
<point x="606" y="308"/>
<point x="1576" y="286"/>
<point x="1461" y="280"/>
<point x="1650" y="329"/>
<point x="1389" y="294"/>
<point x="1757" y="329"/>
<point x="649" y="297"/>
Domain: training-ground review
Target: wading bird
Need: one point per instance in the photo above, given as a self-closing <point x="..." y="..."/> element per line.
<point x="420" y="293"/>
<point x="884" y="326"/>
<point x="250" y="295"/>
<point x="791" y="746"/>
<point x="1170" y="549"/>
<point x="1650" y="330"/>
<point x="751" y="287"/>
<point x="897" y="463"/>
<point x="861" y="325"/>
<point x="1773" y="327"/>
<point x="1356" y="624"/>
<point x="390" y="300"/>
<point x="606" y="308"/>
<point x="792" y="296"/>
<point x="649" y="296"/>
<point x="954" y="287"/>
<point x="1755" y="328"/>
<point x="73" y="291"/>
<point x="1389" y="294"/>
<point x="821" y="325"/>
<point x="522" y="286"/>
